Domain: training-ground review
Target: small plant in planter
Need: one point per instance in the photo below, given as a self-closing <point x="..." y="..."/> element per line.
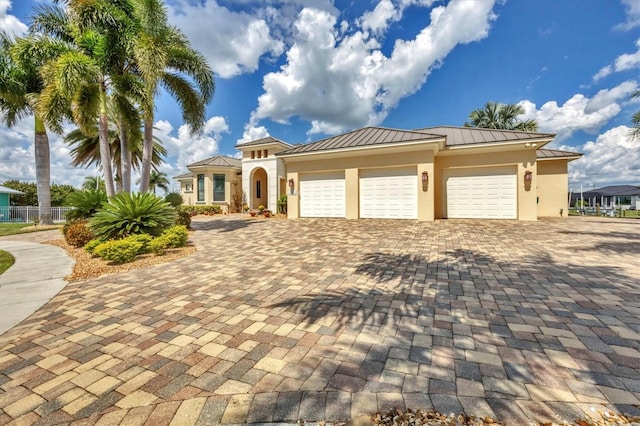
<point x="252" y="213"/>
<point x="266" y="213"/>
<point x="261" y="208"/>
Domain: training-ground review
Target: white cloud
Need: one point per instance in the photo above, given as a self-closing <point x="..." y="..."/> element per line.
<point x="9" y="23"/>
<point x="185" y="149"/>
<point x="624" y="62"/>
<point x="337" y="81"/>
<point x="579" y="112"/>
<point x="252" y="133"/>
<point x="233" y="42"/>
<point x="633" y="15"/>
<point x="613" y="158"/>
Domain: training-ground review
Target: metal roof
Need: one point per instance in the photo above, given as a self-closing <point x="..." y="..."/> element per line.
<point x="5" y="190"/>
<point x="460" y="136"/>
<point x="218" y="161"/>
<point x="263" y="141"/>
<point x="548" y="154"/>
<point x="368" y="136"/>
<point x="184" y="176"/>
<point x="613" y="191"/>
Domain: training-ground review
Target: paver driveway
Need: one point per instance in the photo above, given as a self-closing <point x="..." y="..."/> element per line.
<point x="276" y="320"/>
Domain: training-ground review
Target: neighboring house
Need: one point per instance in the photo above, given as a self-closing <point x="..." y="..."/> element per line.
<point x="425" y="174"/>
<point x="617" y="196"/>
<point x="5" y="194"/>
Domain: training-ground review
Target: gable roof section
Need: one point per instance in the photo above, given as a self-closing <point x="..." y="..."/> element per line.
<point x="5" y="190"/>
<point x="464" y="136"/>
<point x="368" y="136"/>
<point x="555" y="154"/>
<point x="218" y="161"/>
<point x="263" y="141"/>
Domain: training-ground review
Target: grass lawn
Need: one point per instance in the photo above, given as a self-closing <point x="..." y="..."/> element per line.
<point x="6" y="260"/>
<point x="21" y="228"/>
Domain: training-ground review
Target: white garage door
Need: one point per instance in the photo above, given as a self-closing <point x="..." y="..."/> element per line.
<point x="389" y="193"/>
<point x="482" y="193"/>
<point x="322" y="195"/>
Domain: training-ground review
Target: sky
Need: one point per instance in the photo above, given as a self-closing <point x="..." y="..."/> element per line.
<point x="302" y="70"/>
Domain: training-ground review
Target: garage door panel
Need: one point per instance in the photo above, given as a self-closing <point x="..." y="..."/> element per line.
<point x="486" y="194"/>
<point x="322" y="195"/>
<point x="389" y="194"/>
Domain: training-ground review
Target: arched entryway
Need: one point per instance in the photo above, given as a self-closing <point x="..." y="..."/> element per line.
<point x="259" y="188"/>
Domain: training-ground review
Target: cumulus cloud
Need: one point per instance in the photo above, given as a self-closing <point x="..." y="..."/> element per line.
<point x="632" y="8"/>
<point x="613" y="158"/>
<point x="252" y="133"/>
<point x="238" y="39"/>
<point x="624" y="62"/>
<point x="185" y="149"/>
<point x="9" y="23"/>
<point x="579" y="112"/>
<point x="337" y="81"/>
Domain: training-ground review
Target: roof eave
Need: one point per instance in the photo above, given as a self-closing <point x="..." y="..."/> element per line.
<point x="359" y="148"/>
<point x="540" y="142"/>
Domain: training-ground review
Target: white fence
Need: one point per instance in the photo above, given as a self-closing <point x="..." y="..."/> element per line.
<point x="30" y="213"/>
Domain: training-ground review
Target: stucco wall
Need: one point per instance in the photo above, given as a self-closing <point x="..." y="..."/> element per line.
<point x="275" y="170"/>
<point x="230" y="176"/>
<point x="522" y="160"/>
<point x="553" y="188"/>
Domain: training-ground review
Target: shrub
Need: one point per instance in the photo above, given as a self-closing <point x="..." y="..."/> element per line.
<point x="174" y="199"/>
<point x="158" y="246"/>
<point x="282" y="204"/>
<point x="207" y="210"/>
<point x="77" y="233"/>
<point x="183" y="218"/>
<point x="176" y="236"/>
<point x="86" y="203"/>
<point x="128" y="214"/>
<point x="91" y="246"/>
<point x="118" y="251"/>
<point x="143" y="239"/>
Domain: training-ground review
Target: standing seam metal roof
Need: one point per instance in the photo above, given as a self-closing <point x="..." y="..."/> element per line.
<point x="218" y="161"/>
<point x="263" y="141"/>
<point x="367" y="136"/>
<point x="555" y="153"/>
<point x="460" y="136"/>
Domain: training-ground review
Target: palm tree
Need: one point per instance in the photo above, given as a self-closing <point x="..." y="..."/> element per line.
<point x="635" y="119"/>
<point x="93" y="183"/>
<point x="500" y="116"/>
<point x="20" y="87"/>
<point x="165" y="58"/>
<point x="83" y="76"/>
<point x="159" y="180"/>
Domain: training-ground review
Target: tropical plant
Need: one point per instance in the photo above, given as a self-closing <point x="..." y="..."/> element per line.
<point x="282" y="204"/>
<point x="158" y="180"/>
<point x="86" y="203"/>
<point x="500" y="116"/>
<point x="20" y="87"/>
<point x="635" y="119"/>
<point x="93" y="182"/>
<point x="127" y="214"/>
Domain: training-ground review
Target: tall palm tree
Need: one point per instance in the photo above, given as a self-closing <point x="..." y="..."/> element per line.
<point x="500" y="116"/>
<point x="87" y="72"/>
<point x="158" y="180"/>
<point x="93" y="183"/>
<point x="635" y="119"/>
<point x="164" y="58"/>
<point x="20" y="87"/>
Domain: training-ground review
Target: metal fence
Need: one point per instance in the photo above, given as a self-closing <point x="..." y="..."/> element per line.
<point x="30" y="213"/>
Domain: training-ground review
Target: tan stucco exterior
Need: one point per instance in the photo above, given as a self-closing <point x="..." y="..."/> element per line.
<point x="232" y="183"/>
<point x="553" y="187"/>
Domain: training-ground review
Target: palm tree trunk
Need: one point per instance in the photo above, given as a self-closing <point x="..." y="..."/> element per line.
<point x="43" y="173"/>
<point x="105" y="151"/>
<point x="147" y="151"/>
<point x="125" y="158"/>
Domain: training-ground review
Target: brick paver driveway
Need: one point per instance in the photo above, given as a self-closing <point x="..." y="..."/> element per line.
<point x="276" y="320"/>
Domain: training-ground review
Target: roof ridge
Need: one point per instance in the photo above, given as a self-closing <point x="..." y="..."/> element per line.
<point x="485" y="129"/>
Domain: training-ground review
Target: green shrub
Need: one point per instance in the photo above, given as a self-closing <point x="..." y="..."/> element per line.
<point x="143" y="239"/>
<point x="77" y="233"/>
<point x="91" y="246"/>
<point x="174" y="199"/>
<point x="206" y="210"/>
<point x="183" y="218"/>
<point x="118" y="251"/>
<point x="86" y="203"/>
<point x="159" y="245"/>
<point x="176" y="236"/>
<point x="129" y="214"/>
<point x="282" y="204"/>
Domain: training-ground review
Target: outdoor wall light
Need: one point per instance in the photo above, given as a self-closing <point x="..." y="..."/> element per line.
<point x="291" y="183"/>
<point x="425" y="181"/>
<point x="528" y="176"/>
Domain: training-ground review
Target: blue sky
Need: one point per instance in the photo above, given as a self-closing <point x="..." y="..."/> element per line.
<point x="301" y="70"/>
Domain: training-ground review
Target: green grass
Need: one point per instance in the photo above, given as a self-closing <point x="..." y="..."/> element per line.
<point x="18" y="228"/>
<point x="6" y="260"/>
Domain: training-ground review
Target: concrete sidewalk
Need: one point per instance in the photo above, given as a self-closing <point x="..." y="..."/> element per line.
<point x="36" y="276"/>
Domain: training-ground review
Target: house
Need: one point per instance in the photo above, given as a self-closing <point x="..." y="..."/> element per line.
<point x="618" y="197"/>
<point x="377" y="172"/>
<point x="5" y="194"/>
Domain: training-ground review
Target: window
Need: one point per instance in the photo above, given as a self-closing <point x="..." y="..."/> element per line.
<point x="188" y="187"/>
<point x="218" y="188"/>
<point x="265" y="153"/>
<point x="200" y="187"/>
<point x="253" y="155"/>
<point x="259" y="153"/>
<point x="258" y="189"/>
